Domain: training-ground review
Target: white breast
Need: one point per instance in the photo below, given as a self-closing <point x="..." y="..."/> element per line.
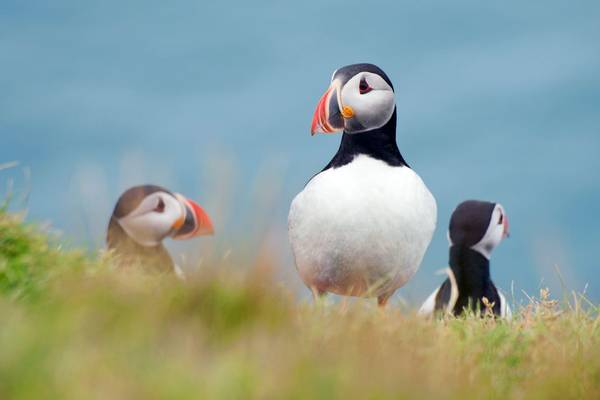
<point x="361" y="229"/>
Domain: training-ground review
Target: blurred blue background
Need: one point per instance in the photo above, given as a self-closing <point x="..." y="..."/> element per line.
<point x="496" y="100"/>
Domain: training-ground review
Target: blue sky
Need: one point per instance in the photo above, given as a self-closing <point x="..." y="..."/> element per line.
<point x="495" y="101"/>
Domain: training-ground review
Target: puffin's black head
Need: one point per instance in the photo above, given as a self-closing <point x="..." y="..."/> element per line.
<point x="479" y="225"/>
<point x="359" y="99"/>
<point x="149" y="213"/>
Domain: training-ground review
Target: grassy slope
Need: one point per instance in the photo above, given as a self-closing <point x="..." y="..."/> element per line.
<point x="73" y="328"/>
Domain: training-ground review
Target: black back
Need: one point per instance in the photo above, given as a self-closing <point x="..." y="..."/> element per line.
<point x="472" y="273"/>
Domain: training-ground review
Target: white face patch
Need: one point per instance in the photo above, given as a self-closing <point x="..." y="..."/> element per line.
<point x="494" y="233"/>
<point x="153" y="219"/>
<point x="371" y="99"/>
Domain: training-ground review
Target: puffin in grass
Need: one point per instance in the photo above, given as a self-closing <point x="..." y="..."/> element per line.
<point x="476" y="228"/>
<point x="143" y="217"/>
<point x="361" y="226"/>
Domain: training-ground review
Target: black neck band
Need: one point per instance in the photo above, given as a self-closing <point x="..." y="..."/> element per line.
<point x="379" y="144"/>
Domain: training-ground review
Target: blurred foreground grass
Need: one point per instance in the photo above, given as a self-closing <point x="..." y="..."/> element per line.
<point x="72" y="327"/>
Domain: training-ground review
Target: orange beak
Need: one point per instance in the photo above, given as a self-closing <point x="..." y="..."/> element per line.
<point x="328" y="117"/>
<point x="193" y="222"/>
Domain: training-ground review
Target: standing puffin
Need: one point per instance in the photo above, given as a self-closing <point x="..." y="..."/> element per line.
<point x="361" y="226"/>
<point x="143" y="217"/>
<point x="476" y="228"/>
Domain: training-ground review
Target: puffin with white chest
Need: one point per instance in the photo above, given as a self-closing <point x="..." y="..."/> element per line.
<point x="362" y="225"/>
<point x="144" y="216"/>
<point x="476" y="228"/>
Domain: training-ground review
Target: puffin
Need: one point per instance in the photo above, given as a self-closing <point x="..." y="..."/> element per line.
<point x="145" y="215"/>
<point x="361" y="226"/>
<point x="476" y="228"/>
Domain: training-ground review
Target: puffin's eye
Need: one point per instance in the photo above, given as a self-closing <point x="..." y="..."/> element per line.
<point x="160" y="207"/>
<point x="501" y="220"/>
<point x="363" y="86"/>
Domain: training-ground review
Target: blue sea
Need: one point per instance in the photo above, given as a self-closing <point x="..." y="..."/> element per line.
<point x="496" y="100"/>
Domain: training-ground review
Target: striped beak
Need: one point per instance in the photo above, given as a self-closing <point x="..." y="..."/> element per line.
<point x="328" y="116"/>
<point x="193" y="222"/>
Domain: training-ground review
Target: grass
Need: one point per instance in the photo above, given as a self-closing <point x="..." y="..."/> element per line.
<point x="73" y="327"/>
